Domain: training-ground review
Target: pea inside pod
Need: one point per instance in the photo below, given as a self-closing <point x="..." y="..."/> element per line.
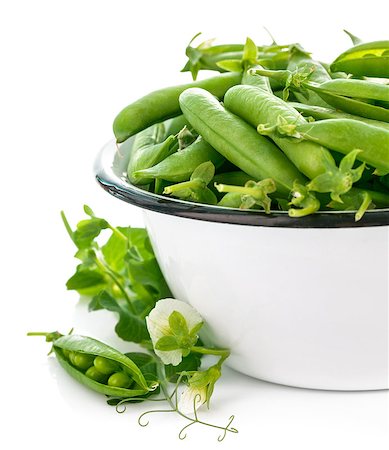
<point x="118" y="368"/>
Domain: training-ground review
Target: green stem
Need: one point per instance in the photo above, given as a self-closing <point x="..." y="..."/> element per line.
<point x="67" y="225"/>
<point x="223" y="352"/>
<point x="113" y="277"/>
<point x="118" y="232"/>
<point x="239" y="189"/>
<point x="192" y="184"/>
<point x="173" y="405"/>
<point x="37" y="333"/>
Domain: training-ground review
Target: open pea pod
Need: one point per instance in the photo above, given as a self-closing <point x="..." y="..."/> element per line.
<point x="92" y="347"/>
<point x="370" y="59"/>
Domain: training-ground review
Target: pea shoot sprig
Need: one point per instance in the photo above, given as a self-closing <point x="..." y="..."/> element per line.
<point x="122" y="275"/>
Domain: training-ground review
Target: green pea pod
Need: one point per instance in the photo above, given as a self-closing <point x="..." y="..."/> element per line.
<point x="175" y="125"/>
<point x="67" y="348"/>
<point x="257" y="107"/>
<point x="357" y="88"/>
<point x="251" y="79"/>
<point x="87" y="345"/>
<point x="320" y="113"/>
<point x="180" y="165"/>
<point x="148" y="150"/>
<point x="350" y="105"/>
<point x="345" y="135"/>
<point x="237" y="141"/>
<point x="163" y="104"/>
<point x="298" y="82"/>
<point x="370" y="59"/>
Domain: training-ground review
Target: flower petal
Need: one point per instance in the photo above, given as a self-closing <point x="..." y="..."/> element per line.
<point x="190" y="398"/>
<point x="173" y="357"/>
<point x="158" y="325"/>
<point x="158" y="319"/>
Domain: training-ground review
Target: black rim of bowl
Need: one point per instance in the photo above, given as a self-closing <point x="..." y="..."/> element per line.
<point x="120" y="187"/>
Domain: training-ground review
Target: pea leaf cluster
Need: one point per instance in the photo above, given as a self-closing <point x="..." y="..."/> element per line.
<point x="120" y="273"/>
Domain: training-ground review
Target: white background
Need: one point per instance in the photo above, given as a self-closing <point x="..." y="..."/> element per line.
<point x="67" y="68"/>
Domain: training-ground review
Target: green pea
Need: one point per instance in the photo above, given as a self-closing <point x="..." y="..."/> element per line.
<point x="82" y="360"/>
<point x="104" y="365"/>
<point x="66" y="353"/>
<point x="95" y="375"/>
<point x="70" y="356"/>
<point x="119" y="379"/>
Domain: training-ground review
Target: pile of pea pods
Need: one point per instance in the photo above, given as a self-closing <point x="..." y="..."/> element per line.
<point x="275" y="130"/>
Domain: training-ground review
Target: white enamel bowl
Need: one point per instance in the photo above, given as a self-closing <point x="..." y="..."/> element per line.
<point x="301" y="302"/>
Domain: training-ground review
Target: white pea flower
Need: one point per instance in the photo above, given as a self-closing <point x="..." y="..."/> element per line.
<point x="192" y="397"/>
<point x="173" y="327"/>
<point x="199" y="390"/>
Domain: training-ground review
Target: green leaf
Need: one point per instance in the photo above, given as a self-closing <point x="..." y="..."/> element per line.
<point x="347" y="162"/>
<point x="87" y="230"/>
<point x="94" y="304"/>
<point x="204" y="196"/>
<point x="140" y="358"/>
<point x="189" y="363"/>
<point x="129" y="327"/>
<point x="250" y="51"/>
<point x="115" y="249"/>
<point x="204" y="172"/>
<point x="139" y="243"/>
<point x="167" y="343"/>
<point x="194" y="331"/>
<point x="230" y="65"/>
<point x="86" y="278"/>
<point x="88" y="211"/>
<point x="146" y="364"/>
<point x="148" y="275"/>
<point x="178" y="324"/>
